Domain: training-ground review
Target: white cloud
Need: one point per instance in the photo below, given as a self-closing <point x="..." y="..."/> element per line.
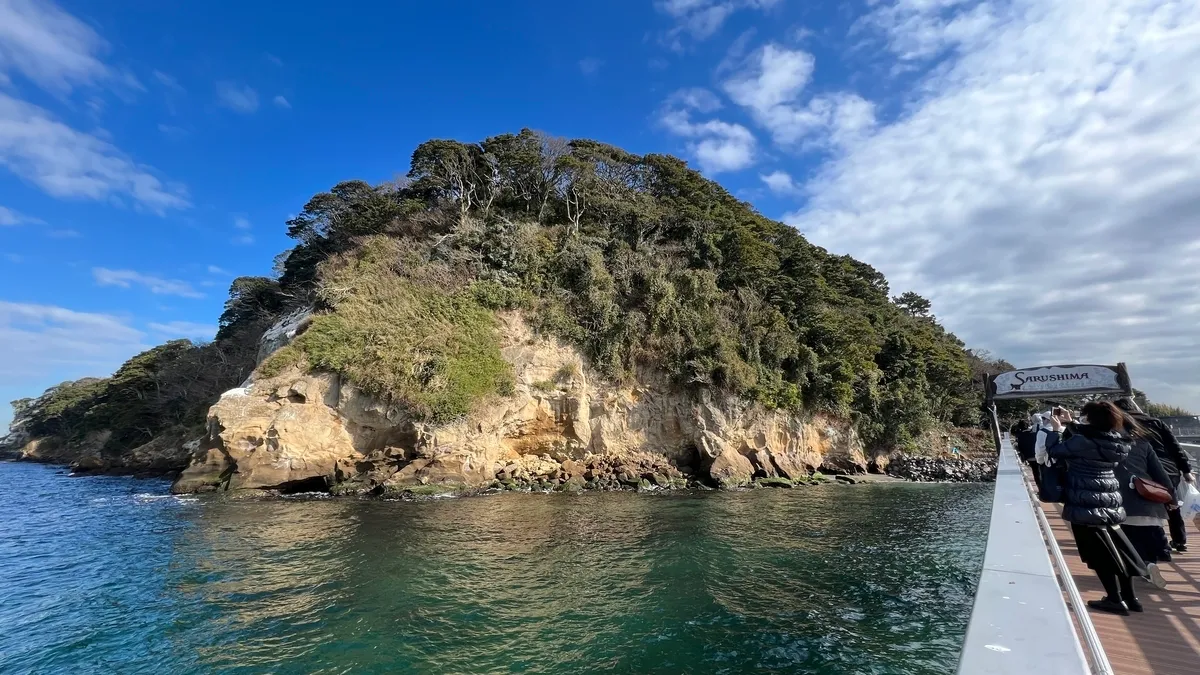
<point x="1042" y="187"/>
<point x="773" y="76"/>
<point x="716" y="145"/>
<point x="36" y="339"/>
<point x="920" y="29"/>
<point x="282" y="102"/>
<point x="769" y="86"/>
<point x="701" y="19"/>
<point x="64" y="162"/>
<point x="184" y="329"/>
<point x="238" y="98"/>
<point x="242" y="224"/>
<point x="696" y="98"/>
<point x="168" y="81"/>
<point x="48" y="46"/>
<point x="780" y="182"/>
<point x="44" y="345"/>
<point x="275" y="60"/>
<point x="213" y="269"/>
<point x="64" y="234"/>
<point x="156" y="285"/>
<point x="11" y="217"/>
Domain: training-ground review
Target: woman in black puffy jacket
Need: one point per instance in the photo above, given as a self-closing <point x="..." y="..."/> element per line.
<point x="1093" y="504"/>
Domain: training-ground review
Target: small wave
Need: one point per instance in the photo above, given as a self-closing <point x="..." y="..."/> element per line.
<point x="150" y="498"/>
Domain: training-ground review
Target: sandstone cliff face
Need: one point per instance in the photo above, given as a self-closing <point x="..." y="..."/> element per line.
<point x="563" y="426"/>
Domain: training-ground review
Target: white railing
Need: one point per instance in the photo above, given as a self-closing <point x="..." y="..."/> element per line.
<point x="1099" y="659"/>
<point x="1020" y="622"/>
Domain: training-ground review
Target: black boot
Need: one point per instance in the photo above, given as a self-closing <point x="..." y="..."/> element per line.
<point x="1108" y="605"/>
<point x="1127" y="594"/>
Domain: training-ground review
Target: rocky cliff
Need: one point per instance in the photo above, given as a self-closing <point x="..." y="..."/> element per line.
<point x="563" y="425"/>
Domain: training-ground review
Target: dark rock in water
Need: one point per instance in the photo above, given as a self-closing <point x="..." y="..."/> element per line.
<point x="942" y="469"/>
<point x="845" y="479"/>
<point x="774" y="482"/>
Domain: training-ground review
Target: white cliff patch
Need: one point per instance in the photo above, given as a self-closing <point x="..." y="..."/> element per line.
<point x="281" y="333"/>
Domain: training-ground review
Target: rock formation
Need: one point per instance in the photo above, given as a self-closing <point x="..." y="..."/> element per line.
<point x="563" y="426"/>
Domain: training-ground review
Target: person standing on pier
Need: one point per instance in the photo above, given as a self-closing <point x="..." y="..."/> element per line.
<point x="1144" y="518"/>
<point x="1093" y="502"/>
<point x="1024" y="436"/>
<point x="1173" y="459"/>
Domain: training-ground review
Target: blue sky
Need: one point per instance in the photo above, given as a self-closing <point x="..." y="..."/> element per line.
<point x="150" y="152"/>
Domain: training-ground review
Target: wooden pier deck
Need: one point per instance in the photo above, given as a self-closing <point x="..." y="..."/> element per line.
<point x="1165" y="640"/>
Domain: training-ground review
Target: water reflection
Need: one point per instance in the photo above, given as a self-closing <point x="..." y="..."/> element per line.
<point x="863" y="579"/>
<point x="263" y="576"/>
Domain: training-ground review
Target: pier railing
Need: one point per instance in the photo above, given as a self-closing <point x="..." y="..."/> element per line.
<point x="1021" y="622"/>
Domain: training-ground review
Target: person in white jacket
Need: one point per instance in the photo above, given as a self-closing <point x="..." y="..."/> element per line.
<point x="1043" y="424"/>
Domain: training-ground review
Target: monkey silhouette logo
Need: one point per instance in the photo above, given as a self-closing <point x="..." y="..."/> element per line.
<point x="1018" y="382"/>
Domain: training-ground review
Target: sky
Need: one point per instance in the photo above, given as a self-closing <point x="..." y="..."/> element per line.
<point x="1032" y="167"/>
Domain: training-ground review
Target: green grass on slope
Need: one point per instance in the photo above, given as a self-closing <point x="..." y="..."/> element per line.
<point x="396" y="338"/>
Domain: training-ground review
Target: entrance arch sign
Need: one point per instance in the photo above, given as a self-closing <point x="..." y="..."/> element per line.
<point x="1069" y="380"/>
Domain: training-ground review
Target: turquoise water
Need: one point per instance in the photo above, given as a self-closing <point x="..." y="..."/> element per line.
<point x="111" y="575"/>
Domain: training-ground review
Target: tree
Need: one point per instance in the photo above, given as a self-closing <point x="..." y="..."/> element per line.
<point x="251" y="299"/>
<point x="574" y="175"/>
<point x="913" y="305"/>
<point x="460" y="173"/>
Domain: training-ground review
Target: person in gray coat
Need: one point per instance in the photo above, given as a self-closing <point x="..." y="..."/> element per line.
<point x="1173" y="459"/>
<point x="1144" y="519"/>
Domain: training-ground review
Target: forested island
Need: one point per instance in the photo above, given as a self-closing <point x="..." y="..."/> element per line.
<point x="529" y="311"/>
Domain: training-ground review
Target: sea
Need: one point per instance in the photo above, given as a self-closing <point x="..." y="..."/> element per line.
<point x="115" y="575"/>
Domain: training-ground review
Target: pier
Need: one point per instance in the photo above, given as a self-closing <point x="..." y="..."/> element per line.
<point x="1030" y="614"/>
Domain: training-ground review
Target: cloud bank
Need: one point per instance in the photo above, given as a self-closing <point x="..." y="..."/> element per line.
<point x="1042" y="186"/>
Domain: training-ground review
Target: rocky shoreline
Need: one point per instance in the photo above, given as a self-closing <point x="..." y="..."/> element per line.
<point x="920" y="469"/>
<point x="544" y="474"/>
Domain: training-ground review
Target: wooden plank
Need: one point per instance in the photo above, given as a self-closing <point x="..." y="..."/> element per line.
<point x="1165" y="639"/>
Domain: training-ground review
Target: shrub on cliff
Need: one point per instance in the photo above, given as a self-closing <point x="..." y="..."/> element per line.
<point x="431" y="345"/>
